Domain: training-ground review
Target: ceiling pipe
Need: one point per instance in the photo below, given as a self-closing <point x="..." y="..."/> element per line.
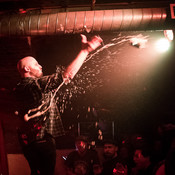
<point x="30" y="24"/>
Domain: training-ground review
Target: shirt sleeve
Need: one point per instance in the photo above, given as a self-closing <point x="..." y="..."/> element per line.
<point x="50" y="82"/>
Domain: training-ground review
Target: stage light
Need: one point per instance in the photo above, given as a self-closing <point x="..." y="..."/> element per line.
<point x="169" y="34"/>
<point x="162" y="45"/>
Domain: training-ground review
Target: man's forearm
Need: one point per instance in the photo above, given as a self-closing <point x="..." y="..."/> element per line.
<point x="87" y="46"/>
<point x="75" y="65"/>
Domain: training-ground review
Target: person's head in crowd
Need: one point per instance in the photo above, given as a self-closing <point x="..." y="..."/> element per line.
<point x="97" y="169"/>
<point x="142" y="157"/>
<point x="80" y="168"/>
<point x="138" y="140"/>
<point x="81" y="144"/>
<point x="124" y="152"/>
<point x="110" y="149"/>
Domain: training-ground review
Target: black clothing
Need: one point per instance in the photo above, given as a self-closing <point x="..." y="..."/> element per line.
<point x="31" y="93"/>
<point x="36" y="136"/>
<point x="109" y="165"/>
<point x="147" y="171"/>
<point x="41" y="156"/>
<point x="87" y="160"/>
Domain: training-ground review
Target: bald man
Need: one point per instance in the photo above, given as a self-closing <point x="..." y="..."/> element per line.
<point x="37" y="109"/>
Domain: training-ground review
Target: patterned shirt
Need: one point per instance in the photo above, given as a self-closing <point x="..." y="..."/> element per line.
<point x="31" y="93"/>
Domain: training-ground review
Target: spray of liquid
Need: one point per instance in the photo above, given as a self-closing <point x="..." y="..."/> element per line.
<point x="102" y="60"/>
<point x="89" y="78"/>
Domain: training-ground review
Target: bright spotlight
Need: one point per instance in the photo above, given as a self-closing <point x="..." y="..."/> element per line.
<point x="162" y="45"/>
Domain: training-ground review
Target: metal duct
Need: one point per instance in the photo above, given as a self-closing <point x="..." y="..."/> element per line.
<point x="80" y="21"/>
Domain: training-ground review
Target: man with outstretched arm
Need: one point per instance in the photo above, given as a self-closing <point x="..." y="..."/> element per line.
<point x="37" y="109"/>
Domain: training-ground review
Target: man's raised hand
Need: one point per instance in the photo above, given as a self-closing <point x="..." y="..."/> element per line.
<point x="92" y="44"/>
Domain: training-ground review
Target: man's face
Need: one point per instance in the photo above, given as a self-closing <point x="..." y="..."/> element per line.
<point x="80" y="169"/>
<point x="139" y="159"/>
<point x="81" y="146"/>
<point x="110" y="150"/>
<point x="35" y="68"/>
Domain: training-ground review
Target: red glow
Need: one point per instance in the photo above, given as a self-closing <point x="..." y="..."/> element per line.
<point x="25" y="142"/>
<point x="34" y="125"/>
<point x="2" y="89"/>
<point x="139" y="138"/>
<point x="114" y="170"/>
<point x="22" y="11"/>
<point x="39" y="127"/>
<point x="172" y="11"/>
